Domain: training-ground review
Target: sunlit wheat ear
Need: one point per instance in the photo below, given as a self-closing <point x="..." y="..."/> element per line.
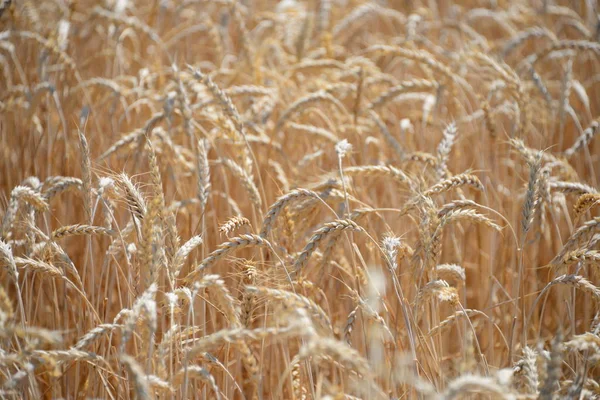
<point x="94" y="334"/>
<point x="455" y="182"/>
<point x="133" y="198"/>
<point x="584" y="139"/>
<point x="232" y="113"/>
<point x="280" y="204"/>
<point x="438" y="289"/>
<point x="233" y="224"/>
<point x="203" y="171"/>
<point x="76" y="230"/>
<point x="444" y="148"/>
<point x="150" y="259"/>
<point x="58" y="184"/>
<point x="584" y="232"/>
<point x="571" y="187"/>
<point x="248" y="298"/>
<point x="451" y="273"/>
<point x="318" y="237"/>
<point x="240" y="242"/>
<point x="87" y="175"/>
<point x="349" y="326"/>
<point x="586" y="202"/>
<point x="246" y="181"/>
<point x="582" y="255"/>
<point x="525" y="372"/>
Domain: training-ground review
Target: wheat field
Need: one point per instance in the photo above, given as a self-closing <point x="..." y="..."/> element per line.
<point x="321" y="199"/>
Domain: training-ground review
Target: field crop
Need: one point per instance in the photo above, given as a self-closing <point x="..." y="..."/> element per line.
<point x="321" y="199"/>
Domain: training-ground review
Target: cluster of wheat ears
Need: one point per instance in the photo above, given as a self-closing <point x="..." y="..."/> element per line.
<point x="322" y="199"/>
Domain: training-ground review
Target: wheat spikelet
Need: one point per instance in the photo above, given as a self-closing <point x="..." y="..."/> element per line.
<point x="135" y="136"/>
<point x="280" y="204"/>
<point x="314" y="130"/>
<point x="145" y="305"/>
<point x="576" y="281"/>
<point x="526" y="372"/>
<point x="231" y="112"/>
<point x="469" y="215"/>
<point x="451" y="272"/>
<point x="39" y="266"/>
<point x="203" y="170"/>
<point x="584" y="139"/>
<point x="349" y="326"/>
<point x="438" y="289"/>
<point x="77" y="229"/>
<point x="57" y="184"/>
<point x="583" y="233"/>
<point x="247" y="181"/>
<point x="585" y="202"/>
<point x="248" y="298"/>
<point x="233" y="224"/>
<point x="319" y="235"/>
<point x="454" y="182"/>
<point x="21" y="194"/>
<point x="134" y="199"/>
<point x="571" y="187"/>
<point x="94" y="334"/>
<point x="582" y="255"/>
<point x="455" y="205"/>
<point x="183" y="252"/>
<point x="444" y="149"/>
<point x="86" y="174"/>
<point x="419" y="56"/>
<point x="425" y="158"/>
<point x="236" y="243"/>
<point x="584" y="342"/>
<point x="148" y="257"/>
<point x="133" y="22"/>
